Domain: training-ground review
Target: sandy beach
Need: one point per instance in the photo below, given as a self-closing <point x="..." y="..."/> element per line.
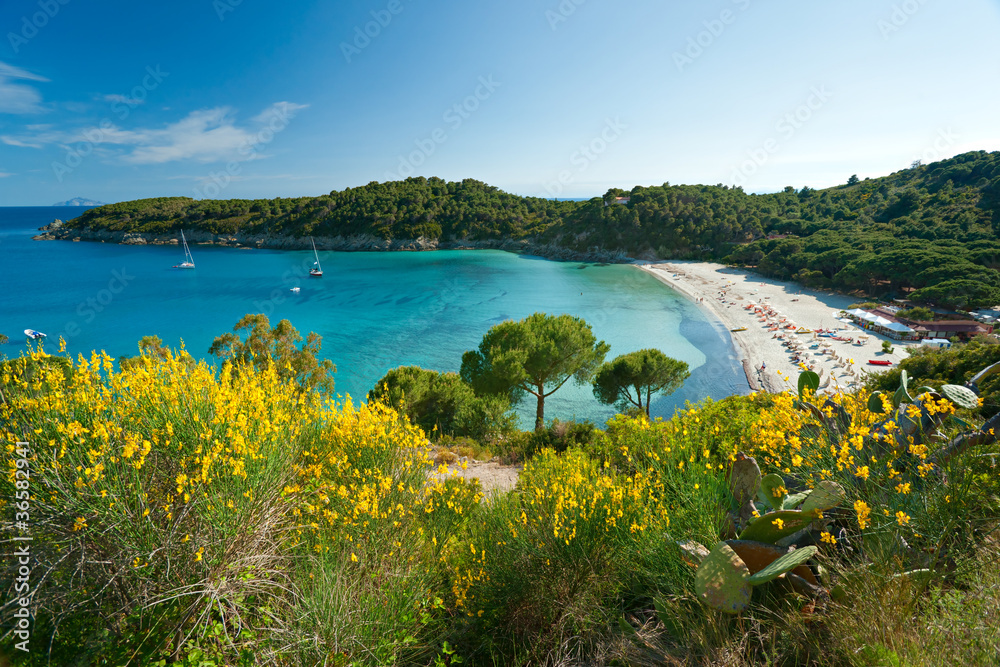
<point x="773" y="312"/>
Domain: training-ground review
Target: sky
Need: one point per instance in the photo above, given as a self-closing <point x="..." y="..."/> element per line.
<point x="118" y="100"/>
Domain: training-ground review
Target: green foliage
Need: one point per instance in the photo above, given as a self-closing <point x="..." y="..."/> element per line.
<point x="265" y="347"/>
<point x="443" y="403"/>
<point x="887" y="347"/>
<point x="536" y="356"/>
<point x="557" y="436"/>
<point x="917" y="314"/>
<point x="634" y="378"/>
<point x="955" y="365"/>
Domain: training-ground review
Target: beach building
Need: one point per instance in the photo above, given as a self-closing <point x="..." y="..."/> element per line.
<point x="889" y="324"/>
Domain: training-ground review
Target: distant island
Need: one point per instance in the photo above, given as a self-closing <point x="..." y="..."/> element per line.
<point x="928" y="233"/>
<point x="80" y="201"/>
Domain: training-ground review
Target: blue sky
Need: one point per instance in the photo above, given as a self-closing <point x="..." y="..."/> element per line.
<point x="121" y="100"/>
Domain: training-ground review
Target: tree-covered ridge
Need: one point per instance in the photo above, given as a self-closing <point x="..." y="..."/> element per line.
<point x="928" y="232"/>
<point x="417" y="207"/>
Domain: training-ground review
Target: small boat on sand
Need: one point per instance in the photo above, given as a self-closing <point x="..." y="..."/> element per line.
<point x="879" y="362"/>
<point x="34" y="335"/>
<point x="738" y="329"/>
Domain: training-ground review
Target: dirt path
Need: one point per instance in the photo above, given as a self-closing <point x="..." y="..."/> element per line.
<point x="493" y="477"/>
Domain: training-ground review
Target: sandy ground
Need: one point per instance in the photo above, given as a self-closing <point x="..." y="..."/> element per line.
<point x="493" y="477"/>
<point x="770" y="353"/>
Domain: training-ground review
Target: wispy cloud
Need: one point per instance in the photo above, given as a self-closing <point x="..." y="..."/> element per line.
<point x="206" y="135"/>
<point x="123" y="99"/>
<point x="19" y="98"/>
<point x="5" y="174"/>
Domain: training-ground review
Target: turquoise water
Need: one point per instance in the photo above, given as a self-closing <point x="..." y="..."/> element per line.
<point x="375" y="311"/>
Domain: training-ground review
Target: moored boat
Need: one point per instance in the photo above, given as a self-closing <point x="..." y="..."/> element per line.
<point x="188" y="262"/>
<point x="34" y="335"/>
<point x="316" y="270"/>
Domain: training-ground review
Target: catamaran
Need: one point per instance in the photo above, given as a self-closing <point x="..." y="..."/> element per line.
<point x="188" y="262"/>
<point x="316" y="270"/>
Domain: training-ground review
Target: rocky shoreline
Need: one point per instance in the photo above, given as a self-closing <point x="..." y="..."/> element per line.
<point x="57" y="231"/>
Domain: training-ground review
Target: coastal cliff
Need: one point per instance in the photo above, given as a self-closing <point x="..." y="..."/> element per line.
<point x="57" y="231"/>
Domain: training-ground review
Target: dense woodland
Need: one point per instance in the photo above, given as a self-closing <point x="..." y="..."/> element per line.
<point x="928" y="233"/>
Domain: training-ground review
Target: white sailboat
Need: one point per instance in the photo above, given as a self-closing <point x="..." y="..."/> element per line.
<point x="188" y="262"/>
<point x="316" y="270"/>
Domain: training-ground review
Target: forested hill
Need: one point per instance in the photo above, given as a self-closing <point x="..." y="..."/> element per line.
<point x="929" y="232"/>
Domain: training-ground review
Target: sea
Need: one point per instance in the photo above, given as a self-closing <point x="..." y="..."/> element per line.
<point x="374" y="310"/>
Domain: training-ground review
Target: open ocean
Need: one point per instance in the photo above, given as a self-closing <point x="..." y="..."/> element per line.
<point x="375" y="311"/>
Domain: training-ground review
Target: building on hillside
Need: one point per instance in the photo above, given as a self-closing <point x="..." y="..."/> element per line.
<point x="888" y="323"/>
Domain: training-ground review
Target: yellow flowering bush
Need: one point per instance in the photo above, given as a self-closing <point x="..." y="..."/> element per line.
<point x="167" y="494"/>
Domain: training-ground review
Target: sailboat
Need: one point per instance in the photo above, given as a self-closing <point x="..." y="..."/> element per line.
<point x="316" y="270"/>
<point x="188" y="262"/>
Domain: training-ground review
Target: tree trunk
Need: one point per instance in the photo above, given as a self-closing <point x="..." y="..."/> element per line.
<point x="540" y="410"/>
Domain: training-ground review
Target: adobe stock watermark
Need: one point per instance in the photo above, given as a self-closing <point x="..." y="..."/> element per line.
<point x="900" y="16"/>
<point x="562" y="12"/>
<point x="93" y="137"/>
<point x="698" y="44"/>
<point x="88" y="309"/>
<point x="22" y="546"/>
<point x="364" y="35"/>
<point x="938" y="150"/>
<point x="223" y="7"/>
<point x="587" y="154"/>
<point x="787" y="127"/>
<point x="454" y="117"/>
<point x="31" y="25"/>
<point x="279" y="118"/>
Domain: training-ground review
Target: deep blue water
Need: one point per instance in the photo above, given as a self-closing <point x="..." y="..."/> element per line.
<point x="375" y="311"/>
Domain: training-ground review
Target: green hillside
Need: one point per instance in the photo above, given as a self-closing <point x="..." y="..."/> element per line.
<point x="928" y="233"/>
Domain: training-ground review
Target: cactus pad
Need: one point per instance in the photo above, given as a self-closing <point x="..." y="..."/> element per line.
<point x="961" y="396"/>
<point x="772" y="526"/>
<point x="810" y="380"/>
<point x="772" y="490"/>
<point x="825" y="496"/>
<point x="875" y="403"/>
<point x="780" y="566"/>
<point x="721" y="581"/>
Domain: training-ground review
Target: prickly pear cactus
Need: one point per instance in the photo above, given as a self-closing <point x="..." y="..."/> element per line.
<point x="875" y="403"/>
<point x="786" y="563"/>
<point x="744" y="484"/>
<point x="808" y="380"/>
<point x="773" y="526"/>
<point x="826" y="495"/>
<point x="961" y="396"/>
<point x="902" y="394"/>
<point x="772" y="491"/>
<point x="721" y="581"/>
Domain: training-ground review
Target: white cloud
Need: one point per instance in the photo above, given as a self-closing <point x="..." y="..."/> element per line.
<point x="122" y="99"/>
<point x="206" y="135"/>
<point x="23" y="143"/>
<point x="18" y="98"/>
<point x="4" y="174"/>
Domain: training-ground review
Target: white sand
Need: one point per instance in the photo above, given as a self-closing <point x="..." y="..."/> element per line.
<point x="724" y="292"/>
